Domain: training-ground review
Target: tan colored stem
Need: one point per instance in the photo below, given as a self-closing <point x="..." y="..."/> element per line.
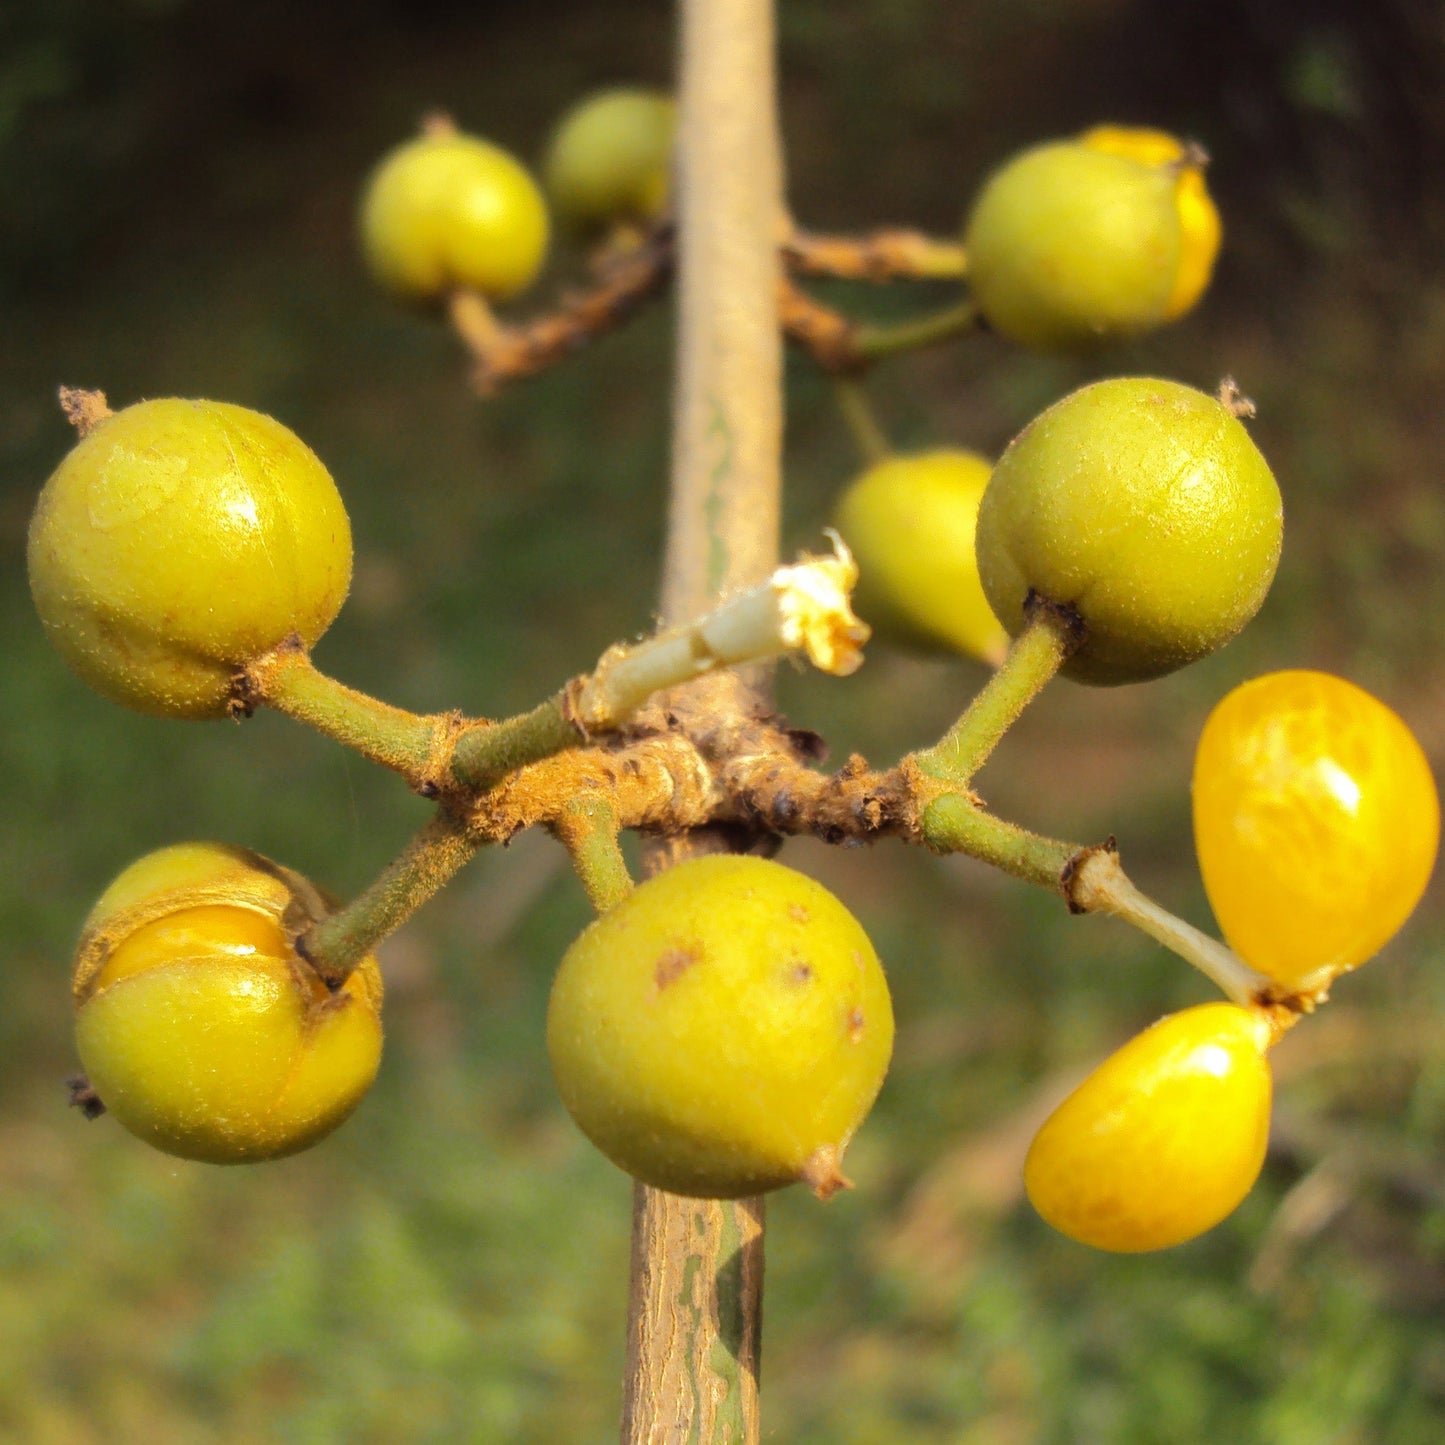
<point x="695" y="1301"/>
<point x="887" y="255"/>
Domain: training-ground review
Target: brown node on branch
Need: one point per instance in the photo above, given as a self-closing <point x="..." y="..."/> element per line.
<point x="627" y="279"/>
<point x="891" y="254"/>
<point x="1069" y="878"/>
<point x="84" y="410"/>
<point x="828" y="336"/>
<point x="249" y="684"/>
<point x="672" y="772"/>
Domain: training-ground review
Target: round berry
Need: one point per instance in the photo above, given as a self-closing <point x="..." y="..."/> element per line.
<point x="1164" y="1138"/>
<point x="610" y="159"/>
<point x="909" y="521"/>
<point x="1316" y="821"/>
<point x="200" y="1027"/>
<point x="179" y="540"/>
<point x="1082" y="242"/>
<point x="1144" y="507"/>
<point x="448" y="211"/>
<point x="723" y="1030"/>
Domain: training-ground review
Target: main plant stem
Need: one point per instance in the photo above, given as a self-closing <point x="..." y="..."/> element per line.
<point x="694" y="1306"/>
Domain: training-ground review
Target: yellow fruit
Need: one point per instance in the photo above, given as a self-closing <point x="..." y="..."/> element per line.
<point x="910" y="521"/>
<point x="1144" y="506"/>
<point x="177" y="541"/>
<point x="1200" y="230"/>
<point x="1083" y="242"/>
<point x="200" y="1028"/>
<point x="448" y="211"/>
<point x="723" y="1030"/>
<point x="611" y="159"/>
<point x="1316" y="821"/>
<point x="1164" y="1138"/>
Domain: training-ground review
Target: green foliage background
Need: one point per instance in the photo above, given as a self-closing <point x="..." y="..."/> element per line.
<point x="177" y="183"/>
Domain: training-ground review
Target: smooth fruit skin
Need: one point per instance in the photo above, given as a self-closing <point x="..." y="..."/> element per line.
<point x="198" y="1025"/>
<point x="910" y="523"/>
<point x="1144" y="506"/>
<point x="1084" y="242"/>
<point x="449" y="211"/>
<point x="177" y="541"/>
<point x="1316" y="822"/>
<point x="1164" y="1138"/>
<point x="723" y="1030"/>
<point x="610" y="159"/>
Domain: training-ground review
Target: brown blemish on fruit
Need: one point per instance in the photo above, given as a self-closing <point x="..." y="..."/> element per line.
<point x="798" y="912"/>
<point x="800" y="972"/>
<point x="673" y="964"/>
<point x="855" y="1025"/>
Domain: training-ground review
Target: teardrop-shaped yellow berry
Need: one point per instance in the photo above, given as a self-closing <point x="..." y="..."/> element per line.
<point x="1164" y="1138"/>
<point x="1316" y="822"/>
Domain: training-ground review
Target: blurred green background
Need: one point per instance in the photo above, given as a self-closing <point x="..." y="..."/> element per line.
<point x="177" y="185"/>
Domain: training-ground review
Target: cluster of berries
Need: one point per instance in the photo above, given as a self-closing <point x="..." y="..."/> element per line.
<point x="181" y="540"/>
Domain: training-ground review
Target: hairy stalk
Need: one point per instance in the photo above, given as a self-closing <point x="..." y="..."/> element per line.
<point x="286" y="679"/>
<point x="485" y="753"/>
<point x="1036" y="655"/>
<point x="588" y="830"/>
<point x="337" y="944"/>
<point x="804" y="607"/>
<point x="955" y="823"/>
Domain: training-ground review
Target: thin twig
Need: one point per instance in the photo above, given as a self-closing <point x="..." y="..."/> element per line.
<point x="892" y="254"/>
<point x="507" y="353"/>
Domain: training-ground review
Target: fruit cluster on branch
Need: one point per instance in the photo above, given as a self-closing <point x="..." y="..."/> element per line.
<point x="187" y="556"/>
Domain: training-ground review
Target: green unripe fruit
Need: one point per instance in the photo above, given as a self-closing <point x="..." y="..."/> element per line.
<point x="179" y="540"/>
<point x="723" y="1030"/>
<point x="909" y="521"/>
<point x="610" y="159"/>
<point x="1083" y="242"/>
<point x="1144" y="507"/>
<point x="200" y="1028"/>
<point x="448" y="211"/>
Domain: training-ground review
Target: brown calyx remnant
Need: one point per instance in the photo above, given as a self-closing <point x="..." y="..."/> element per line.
<point x="822" y="1172"/>
<point x="84" y="410"/>
<point x="84" y="1097"/>
<point x="1233" y="400"/>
